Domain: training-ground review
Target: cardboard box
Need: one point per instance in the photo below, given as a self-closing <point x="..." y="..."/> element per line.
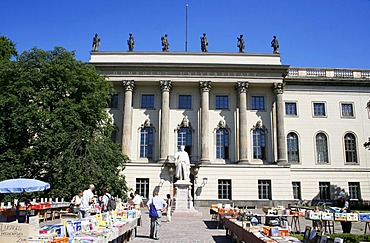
<point x="364" y="216"/>
<point x="340" y="216"/>
<point x="352" y="217"/>
<point x="327" y="216"/>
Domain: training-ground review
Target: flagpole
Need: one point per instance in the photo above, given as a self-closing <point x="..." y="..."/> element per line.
<point x="186" y="34"/>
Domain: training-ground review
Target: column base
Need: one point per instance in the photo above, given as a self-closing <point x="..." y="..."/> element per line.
<point x="243" y="162"/>
<point x="283" y="163"/>
<point x="205" y="161"/>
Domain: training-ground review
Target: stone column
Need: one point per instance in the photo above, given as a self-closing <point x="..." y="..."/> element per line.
<point x="165" y="86"/>
<point x="242" y="88"/>
<point x="205" y="87"/>
<point x="278" y="89"/>
<point x="129" y="86"/>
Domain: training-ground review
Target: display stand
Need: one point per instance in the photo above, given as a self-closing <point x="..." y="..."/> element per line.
<point x="367" y="226"/>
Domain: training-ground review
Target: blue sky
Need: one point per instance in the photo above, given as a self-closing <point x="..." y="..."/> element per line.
<point x="314" y="33"/>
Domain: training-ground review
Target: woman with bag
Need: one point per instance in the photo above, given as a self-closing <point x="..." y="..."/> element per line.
<point x="75" y="202"/>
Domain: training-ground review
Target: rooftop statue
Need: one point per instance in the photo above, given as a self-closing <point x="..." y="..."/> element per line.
<point x="275" y="45"/>
<point x="131" y="43"/>
<point x="165" y="44"/>
<point x="96" y="43"/>
<point x="204" y="43"/>
<point x="182" y="165"/>
<point x="241" y="43"/>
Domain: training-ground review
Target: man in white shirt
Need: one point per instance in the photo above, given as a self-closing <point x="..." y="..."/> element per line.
<point x="155" y="222"/>
<point x="87" y="199"/>
<point x="138" y="201"/>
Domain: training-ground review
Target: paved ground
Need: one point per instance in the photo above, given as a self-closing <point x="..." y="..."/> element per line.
<point x="183" y="229"/>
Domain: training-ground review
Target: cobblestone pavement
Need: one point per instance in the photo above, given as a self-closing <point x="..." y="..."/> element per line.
<point x="183" y="229"/>
<point x="199" y="229"/>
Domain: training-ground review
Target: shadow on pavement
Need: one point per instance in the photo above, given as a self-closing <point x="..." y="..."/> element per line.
<point x="210" y="224"/>
<point x="221" y="239"/>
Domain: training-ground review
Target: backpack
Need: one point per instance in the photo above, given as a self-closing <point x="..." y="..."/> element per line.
<point x="111" y="203"/>
<point x="152" y="211"/>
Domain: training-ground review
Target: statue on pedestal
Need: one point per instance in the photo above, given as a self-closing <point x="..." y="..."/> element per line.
<point x="182" y="165"/>
<point x="130" y="43"/>
<point x="275" y="45"/>
<point x="165" y="44"/>
<point x="204" y="43"/>
<point x="96" y="43"/>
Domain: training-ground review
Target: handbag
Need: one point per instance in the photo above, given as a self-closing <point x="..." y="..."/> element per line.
<point x="152" y="211"/>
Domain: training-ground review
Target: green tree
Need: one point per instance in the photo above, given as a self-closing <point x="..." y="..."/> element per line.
<point x="54" y="125"/>
<point x="7" y="49"/>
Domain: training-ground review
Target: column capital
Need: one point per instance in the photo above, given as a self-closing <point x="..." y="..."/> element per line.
<point x="278" y="88"/>
<point x="205" y="86"/>
<point x="242" y="87"/>
<point x="165" y="85"/>
<point x="129" y="85"/>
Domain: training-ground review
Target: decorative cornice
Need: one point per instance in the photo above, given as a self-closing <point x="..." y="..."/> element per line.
<point x="165" y="85"/>
<point x="278" y="88"/>
<point x="184" y="123"/>
<point x="129" y="85"/>
<point x="205" y="86"/>
<point x="242" y="87"/>
<point x="146" y="123"/>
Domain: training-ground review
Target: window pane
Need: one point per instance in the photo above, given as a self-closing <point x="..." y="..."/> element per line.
<point x="147" y="101"/>
<point x="146" y="143"/>
<point x="258" y="103"/>
<point x="292" y="148"/>
<point x="113" y="102"/>
<point x="142" y="187"/>
<point x="322" y="148"/>
<point x="259" y="144"/>
<point x="319" y="109"/>
<point x="347" y="110"/>
<point x="264" y="189"/>
<point x="184" y="101"/>
<point x="222" y="144"/>
<point x="296" y="190"/>
<point x="324" y="188"/>
<point x="354" y="190"/>
<point x="222" y="102"/>
<point x="350" y="148"/>
<point x="224" y="189"/>
<point x="290" y="109"/>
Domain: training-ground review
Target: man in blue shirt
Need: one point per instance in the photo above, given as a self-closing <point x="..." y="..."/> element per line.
<point x="155" y="222"/>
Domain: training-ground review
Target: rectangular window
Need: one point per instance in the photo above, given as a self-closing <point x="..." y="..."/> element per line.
<point x="146" y="143"/>
<point x="347" y="110"/>
<point x="324" y="188"/>
<point x="290" y="108"/>
<point x="354" y="190"/>
<point x="222" y="102"/>
<point x="184" y="101"/>
<point x="319" y="109"/>
<point x="258" y="103"/>
<point x="224" y="189"/>
<point x="113" y="102"/>
<point x="222" y="144"/>
<point x="147" y="101"/>
<point x="264" y="189"/>
<point x="296" y="190"/>
<point x="142" y="187"/>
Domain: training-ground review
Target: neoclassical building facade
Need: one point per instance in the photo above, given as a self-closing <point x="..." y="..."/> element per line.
<point x="256" y="131"/>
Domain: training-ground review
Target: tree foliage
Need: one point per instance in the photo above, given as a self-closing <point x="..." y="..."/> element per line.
<point x="54" y="126"/>
<point x="7" y="49"/>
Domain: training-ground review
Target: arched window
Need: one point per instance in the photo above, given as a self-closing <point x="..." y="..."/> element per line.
<point x="350" y="148"/>
<point x="292" y="148"/>
<point x="184" y="138"/>
<point x="259" y="144"/>
<point x="222" y="144"/>
<point x="322" y="148"/>
<point x="146" y="142"/>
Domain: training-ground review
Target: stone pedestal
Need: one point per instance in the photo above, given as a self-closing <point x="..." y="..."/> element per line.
<point x="184" y="200"/>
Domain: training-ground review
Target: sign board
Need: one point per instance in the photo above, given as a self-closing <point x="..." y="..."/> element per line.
<point x="34" y="224"/>
<point x="14" y="233"/>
